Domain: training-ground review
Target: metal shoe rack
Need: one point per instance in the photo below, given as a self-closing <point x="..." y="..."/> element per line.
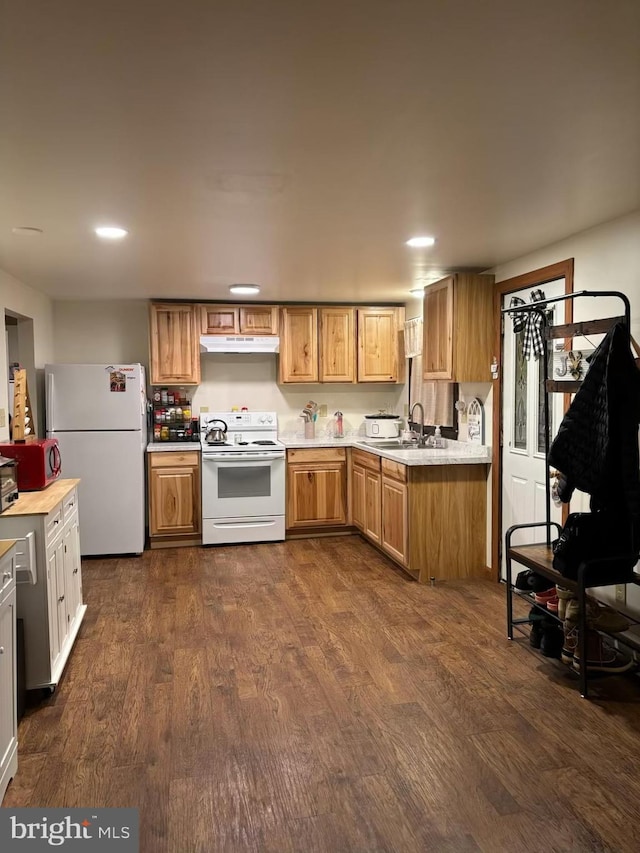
<point x="539" y="557"/>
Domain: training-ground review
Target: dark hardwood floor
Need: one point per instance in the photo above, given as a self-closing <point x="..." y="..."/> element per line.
<point x="306" y="696"/>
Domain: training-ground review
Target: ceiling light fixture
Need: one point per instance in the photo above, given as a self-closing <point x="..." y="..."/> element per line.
<point x="418" y="292"/>
<point x="419" y="242"/>
<point x="26" y="230"/>
<point x="111" y="232"/>
<point x="245" y="289"/>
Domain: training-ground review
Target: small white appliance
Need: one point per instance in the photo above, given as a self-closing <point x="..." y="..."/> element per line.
<point x="97" y="412"/>
<point x="243" y="478"/>
<point x="382" y="425"/>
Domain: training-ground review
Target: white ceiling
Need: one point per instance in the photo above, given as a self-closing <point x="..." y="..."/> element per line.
<point x="298" y="143"/>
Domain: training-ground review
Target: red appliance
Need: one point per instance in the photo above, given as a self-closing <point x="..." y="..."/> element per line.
<point x="39" y="462"/>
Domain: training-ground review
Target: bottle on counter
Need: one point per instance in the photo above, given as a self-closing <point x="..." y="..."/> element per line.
<point x="157" y="432"/>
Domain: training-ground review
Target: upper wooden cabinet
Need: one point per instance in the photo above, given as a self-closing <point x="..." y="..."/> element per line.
<point x="299" y="344"/>
<point x="175" y="344"/>
<point x="239" y="319"/>
<point x="337" y="344"/>
<point x="459" y="328"/>
<point x="380" y="355"/>
<point x="320" y="344"/>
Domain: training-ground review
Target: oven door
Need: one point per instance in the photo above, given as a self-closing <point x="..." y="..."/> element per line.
<point x="246" y="486"/>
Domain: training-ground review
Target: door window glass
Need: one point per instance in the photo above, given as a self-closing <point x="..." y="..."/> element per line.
<point x="520" y="411"/>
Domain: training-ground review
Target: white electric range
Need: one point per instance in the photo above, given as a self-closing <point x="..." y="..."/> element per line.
<point x="243" y="478"/>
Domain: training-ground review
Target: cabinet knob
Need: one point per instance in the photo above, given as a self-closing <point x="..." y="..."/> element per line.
<point x="75" y="571"/>
<point x="1" y="650"/>
<point x="61" y="598"/>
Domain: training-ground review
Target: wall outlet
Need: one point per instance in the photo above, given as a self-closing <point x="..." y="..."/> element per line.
<point x="621" y="593"/>
<point x="322" y="411"/>
<point x="405" y="410"/>
<point x="204" y="408"/>
<point x="3" y="418"/>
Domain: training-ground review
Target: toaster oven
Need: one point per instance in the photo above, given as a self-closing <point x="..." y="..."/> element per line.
<point x="39" y="462"/>
<point x="8" y="483"/>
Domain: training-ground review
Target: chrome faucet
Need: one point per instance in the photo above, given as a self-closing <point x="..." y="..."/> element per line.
<point x="421" y="437"/>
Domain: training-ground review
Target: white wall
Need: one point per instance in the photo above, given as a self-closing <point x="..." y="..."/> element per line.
<point x="250" y="380"/>
<point x="606" y="258"/>
<point x="97" y="332"/>
<point x="19" y="299"/>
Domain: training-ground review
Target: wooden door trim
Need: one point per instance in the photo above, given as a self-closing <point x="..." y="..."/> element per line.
<point x="535" y="278"/>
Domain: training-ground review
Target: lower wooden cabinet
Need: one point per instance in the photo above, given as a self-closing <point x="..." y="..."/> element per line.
<point x="316" y="488"/>
<point x="429" y="519"/>
<point x="394" y="511"/>
<point x="365" y="471"/>
<point x="174" y="498"/>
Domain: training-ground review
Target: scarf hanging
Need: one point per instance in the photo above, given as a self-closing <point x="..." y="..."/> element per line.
<point x="531" y="322"/>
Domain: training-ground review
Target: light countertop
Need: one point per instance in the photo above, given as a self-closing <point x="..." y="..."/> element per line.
<point x="455" y="453"/>
<point x="181" y="446"/>
<point x="6" y="545"/>
<point x="43" y="501"/>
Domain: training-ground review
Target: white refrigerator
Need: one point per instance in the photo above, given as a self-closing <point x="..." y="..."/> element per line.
<point x="98" y="413"/>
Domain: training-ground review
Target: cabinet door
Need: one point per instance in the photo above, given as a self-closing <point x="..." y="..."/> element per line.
<point x="372" y="505"/>
<point x="437" y="347"/>
<point x="259" y="320"/>
<point x="299" y="345"/>
<point x="379" y="345"/>
<point x="8" y="714"/>
<point x="357" y="496"/>
<point x="72" y="575"/>
<point x="174" y="504"/>
<point x="175" y="344"/>
<point x="55" y="599"/>
<point x="394" y="519"/>
<point x="316" y="494"/>
<point x="220" y="320"/>
<point x="337" y="345"/>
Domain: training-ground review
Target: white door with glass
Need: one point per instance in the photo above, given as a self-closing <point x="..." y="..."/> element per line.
<point x="524" y="468"/>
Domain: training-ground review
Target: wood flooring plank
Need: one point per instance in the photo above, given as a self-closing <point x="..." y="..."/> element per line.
<point x="308" y="696"/>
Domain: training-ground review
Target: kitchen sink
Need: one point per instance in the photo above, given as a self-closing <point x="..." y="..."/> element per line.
<point x="393" y="445"/>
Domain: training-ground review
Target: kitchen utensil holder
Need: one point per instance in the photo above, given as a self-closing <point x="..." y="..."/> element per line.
<point x="309" y="429"/>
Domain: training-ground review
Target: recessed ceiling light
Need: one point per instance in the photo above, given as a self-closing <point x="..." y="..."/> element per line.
<point x="244" y="288"/>
<point x="27" y="230"/>
<point x="111" y="232"/>
<point x="417" y="242"/>
<point x="418" y="292"/>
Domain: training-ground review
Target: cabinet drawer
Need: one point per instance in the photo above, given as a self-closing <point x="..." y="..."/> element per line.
<point x="395" y="470"/>
<point x="366" y="460"/>
<point x="7" y="573"/>
<point x="173" y="458"/>
<point x="53" y="523"/>
<point x="70" y="504"/>
<point x="317" y="454"/>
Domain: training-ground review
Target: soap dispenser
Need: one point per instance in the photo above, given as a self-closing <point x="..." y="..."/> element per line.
<point x="438" y="440"/>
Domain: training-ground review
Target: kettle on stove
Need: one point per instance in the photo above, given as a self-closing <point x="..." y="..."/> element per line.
<point x="216" y="434"/>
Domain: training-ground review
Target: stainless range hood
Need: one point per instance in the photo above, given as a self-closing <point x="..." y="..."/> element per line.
<point x="239" y="343"/>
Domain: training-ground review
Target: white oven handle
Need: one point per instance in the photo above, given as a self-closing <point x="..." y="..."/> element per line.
<point x="243" y="461"/>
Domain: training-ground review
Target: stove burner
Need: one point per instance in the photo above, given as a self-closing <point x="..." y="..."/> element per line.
<point x="218" y="444"/>
<point x="264" y="441"/>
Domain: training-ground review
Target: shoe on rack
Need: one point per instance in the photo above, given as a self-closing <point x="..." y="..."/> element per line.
<point x="536" y="618"/>
<point x="570" y="644"/>
<point x="552" y="604"/>
<point x="530" y="582"/>
<point x="564" y="597"/>
<point x="600" y="657"/>
<point x="600" y="616"/>
<point x="552" y="640"/>
<point x="544" y="597"/>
